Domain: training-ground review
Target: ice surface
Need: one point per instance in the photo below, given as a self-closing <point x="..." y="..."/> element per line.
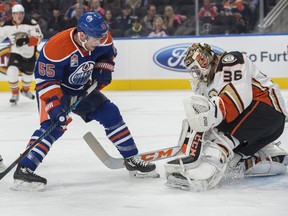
<point x="78" y="184"/>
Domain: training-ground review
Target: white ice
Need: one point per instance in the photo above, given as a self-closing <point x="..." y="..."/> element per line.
<point x="79" y="184"/>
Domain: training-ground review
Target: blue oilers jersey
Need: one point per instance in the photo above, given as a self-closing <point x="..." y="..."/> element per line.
<point x="63" y="66"/>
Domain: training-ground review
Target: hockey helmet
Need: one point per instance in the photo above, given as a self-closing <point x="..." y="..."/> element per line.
<point x="199" y="60"/>
<point x="92" y="24"/>
<point x="18" y="8"/>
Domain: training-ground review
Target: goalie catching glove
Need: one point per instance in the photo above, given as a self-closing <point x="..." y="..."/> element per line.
<point x="56" y="112"/>
<point x="203" y="113"/>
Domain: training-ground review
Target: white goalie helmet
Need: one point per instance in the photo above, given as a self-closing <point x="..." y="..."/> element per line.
<point x="199" y="60"/>
<point x="18" y="8"/>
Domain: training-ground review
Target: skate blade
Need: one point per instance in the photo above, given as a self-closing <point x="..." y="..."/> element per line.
<point x="31" y="96"/>
<point x="13" y="104"/>
<point x="178" y="186"/>
<point x="20" y="185"/>
<point x="193" y="185"/>
<point x="139" y="174"/>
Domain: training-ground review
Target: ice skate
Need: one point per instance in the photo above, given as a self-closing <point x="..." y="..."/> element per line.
<point x="27" y="94"/>
<point x="14" y="99"/>
<point x="140" y="168"/>
<point x="26" y="180"/>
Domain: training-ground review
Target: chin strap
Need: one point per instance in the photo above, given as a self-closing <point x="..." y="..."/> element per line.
<point x="82" y="42"/>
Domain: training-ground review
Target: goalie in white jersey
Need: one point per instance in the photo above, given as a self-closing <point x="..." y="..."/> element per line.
<point x="24" y="35"/>
<point x="233" y="118"/>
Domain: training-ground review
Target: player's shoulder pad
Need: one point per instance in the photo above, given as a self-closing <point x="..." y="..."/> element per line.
<point x="232" y="58"/>
<point x="29" y="21"/>
<point x="34" y="22"/>
<point x="60" y="46"/>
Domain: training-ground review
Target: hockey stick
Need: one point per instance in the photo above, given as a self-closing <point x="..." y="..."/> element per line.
<point x="48" y="131"/>
<point x="117" y="163"/>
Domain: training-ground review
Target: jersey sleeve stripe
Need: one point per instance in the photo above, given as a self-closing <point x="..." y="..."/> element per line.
<point x="232" y="101"/>
<point x="50" y="91"/>
<point x="44" y="84"/>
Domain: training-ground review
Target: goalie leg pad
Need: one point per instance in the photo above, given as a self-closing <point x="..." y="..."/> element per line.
<point x="265" y="168"/>
<point x="276" y="153"/>
<point x="202" y="174"/>
<point x="185" y="133"/>
<point x="270" y="160"/>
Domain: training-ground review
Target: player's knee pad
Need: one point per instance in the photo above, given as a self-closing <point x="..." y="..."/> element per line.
<point x="108" y="115"/>
<point x="203" y="173"/>
<point x="12" y="73"/>
<point x="270" y="160"/>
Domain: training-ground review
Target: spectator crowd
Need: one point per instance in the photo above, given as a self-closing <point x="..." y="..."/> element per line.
<point x="141" y="18"/>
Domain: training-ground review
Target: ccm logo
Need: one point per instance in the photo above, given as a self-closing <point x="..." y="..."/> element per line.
<point x="195" y="144"/>
<point x="157" y="155"/>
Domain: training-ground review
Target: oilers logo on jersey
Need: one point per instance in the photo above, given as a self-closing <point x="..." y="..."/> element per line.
<point x="82" y="74"/>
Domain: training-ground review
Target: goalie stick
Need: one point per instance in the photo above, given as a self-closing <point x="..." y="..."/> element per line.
<point x="118" y="163"/>
<point x="48" y="131"/>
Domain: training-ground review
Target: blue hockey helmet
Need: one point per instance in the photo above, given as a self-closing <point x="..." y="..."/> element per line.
<point x="92" y="24"/>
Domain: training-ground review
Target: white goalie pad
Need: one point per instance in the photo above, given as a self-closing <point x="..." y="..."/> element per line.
<point x="202" y="174"/>
<point x="270" y="160"/>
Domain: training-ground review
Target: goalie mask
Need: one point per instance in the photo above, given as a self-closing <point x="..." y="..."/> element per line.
<point x="199" y="60"/>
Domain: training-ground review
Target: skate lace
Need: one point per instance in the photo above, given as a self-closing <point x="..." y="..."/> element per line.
<point x="138" y="161"/>
<point x="30" y="172"/>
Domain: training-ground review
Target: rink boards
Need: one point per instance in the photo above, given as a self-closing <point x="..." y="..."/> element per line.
<point x="157" y="63"/>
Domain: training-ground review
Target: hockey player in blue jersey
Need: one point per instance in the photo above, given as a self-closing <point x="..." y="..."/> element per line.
<point x="68" y="63"/>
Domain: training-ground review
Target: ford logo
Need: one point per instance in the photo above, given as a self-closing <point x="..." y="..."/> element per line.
<point x="172" y="57"/>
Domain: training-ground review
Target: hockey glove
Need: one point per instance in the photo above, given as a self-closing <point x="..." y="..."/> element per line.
<point x="57" y="113"/>
<point x="103" y="74"/>
<point x="22" y="41"/>
<point x="202" y="113"/>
